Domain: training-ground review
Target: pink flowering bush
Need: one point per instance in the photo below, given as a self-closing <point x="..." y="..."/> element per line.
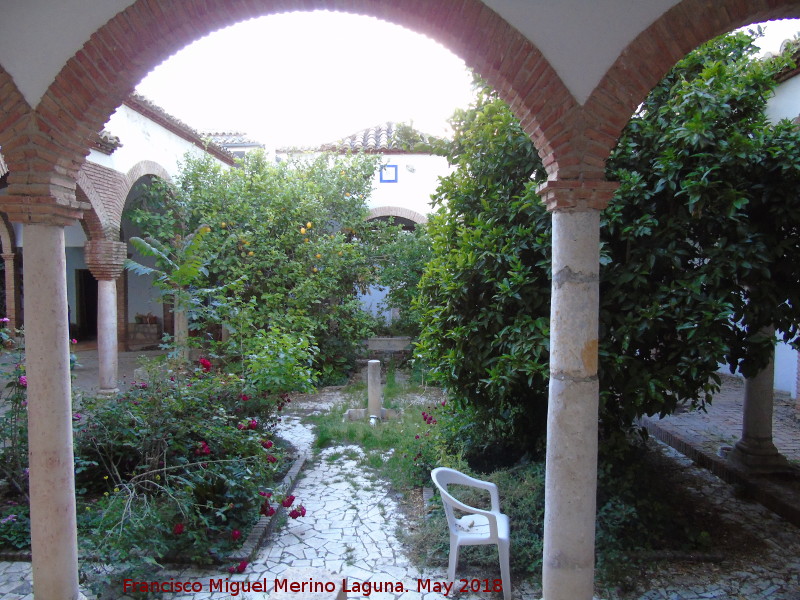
<point x="176" y="466"/>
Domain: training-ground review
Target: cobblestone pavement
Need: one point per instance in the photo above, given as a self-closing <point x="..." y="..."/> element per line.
<point x="353" y="518"/>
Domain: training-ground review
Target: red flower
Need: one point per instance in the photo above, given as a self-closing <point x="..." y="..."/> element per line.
<point x="205" y="364"/>
<point x="241" y="567"/>
<point x="236" y="534"/>
<point x="253" y="424"/>
<point x="302" y="510"/>
<point x="271" y="459"/>
<point x="178" y="529"/>
<point x="244" y="397"/>
<point x="241" y="426"/>
<point x="267" y="509"/>
<point x="231" y="569"/>
<point x="288" y="501"/>
<point x="265" y="494"/>
<point x="295" y="513"/>
<point x="267" y="444"/>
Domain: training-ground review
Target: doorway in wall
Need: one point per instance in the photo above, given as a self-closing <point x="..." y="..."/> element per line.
<point x="86" y="300"/>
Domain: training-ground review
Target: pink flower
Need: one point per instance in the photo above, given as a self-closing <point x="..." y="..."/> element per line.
<point x="244" y="397"/>
<point x="253" y="424"/>
<point x="302" y="510"/>
<point x="241" y="426"/>
<point x="267" y="444"/>
<point x="241" y="566"/>
<point x="74" y="341"/>
<point x="178" y="529"/>
<point x="236" y="534"/>
<point x="271" y="459"/>
<point x="205" y="364"/>
<point x="288" y="501"/>
<point x="265" y="494"/>
<point x="5" y="320"/>
<point x="23" y="381"/>
<point x="231" y="569"/>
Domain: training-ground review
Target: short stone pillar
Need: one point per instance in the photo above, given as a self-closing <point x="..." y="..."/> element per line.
<point x="374" y="392"/>
<point x="572" y="414"/>
<point x="756" y="451"/>
<point x="105" y="259"/>
<point x="54" y="541"/>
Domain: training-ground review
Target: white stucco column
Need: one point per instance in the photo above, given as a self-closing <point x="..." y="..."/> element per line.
<point x="52" y="484"/>
<point x="756" y="451"/>
<point x="105" y="260"/>
<point x="571" y="459"/>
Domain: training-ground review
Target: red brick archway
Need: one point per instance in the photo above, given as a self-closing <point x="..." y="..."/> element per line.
<point x="46" y="149"/>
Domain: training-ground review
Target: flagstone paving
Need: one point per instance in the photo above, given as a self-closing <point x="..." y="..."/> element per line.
<point x="353" y="518"/>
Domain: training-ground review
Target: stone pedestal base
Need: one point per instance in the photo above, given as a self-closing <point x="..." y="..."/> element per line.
<point x="757" y="456"/>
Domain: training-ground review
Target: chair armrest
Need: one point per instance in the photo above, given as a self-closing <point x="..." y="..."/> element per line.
<point x="491" y="515"/>
<point x="494" y="495"/>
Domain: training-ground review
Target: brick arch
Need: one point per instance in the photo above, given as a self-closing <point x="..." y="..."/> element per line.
<point x="118" y="55"/>
<point x="8" y="242"/>
<point x="396" y="211"/>
<point x="14" y="113"/>
<point x="653" y="53"/>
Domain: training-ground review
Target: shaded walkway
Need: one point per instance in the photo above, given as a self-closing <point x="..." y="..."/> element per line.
<point x="705" y="437"/>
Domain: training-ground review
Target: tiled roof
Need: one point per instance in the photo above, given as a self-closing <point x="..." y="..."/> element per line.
<point x="378" y="139"/>
<point x="158" y="115"/>
<point x="105" y="142"/>
<point x="230" y="139"/>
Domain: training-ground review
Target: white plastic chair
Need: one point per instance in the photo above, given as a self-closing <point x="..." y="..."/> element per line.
<point x="477" y="526"/>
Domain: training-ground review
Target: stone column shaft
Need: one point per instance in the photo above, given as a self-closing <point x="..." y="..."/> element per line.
<point x="52" y="484"/>
<point x="756" y="451"/>
<point x="11" y="289"/>
<point x="571" y="468"/>
<point x="374" y="388"/>
<point x="105" y="259"/>
<point x="107" y="345"/>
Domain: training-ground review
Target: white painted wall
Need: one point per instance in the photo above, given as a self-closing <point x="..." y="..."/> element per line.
<point x="417" y="178"/>
<point x="785" y="104"/>
<point x="142" y="139"/>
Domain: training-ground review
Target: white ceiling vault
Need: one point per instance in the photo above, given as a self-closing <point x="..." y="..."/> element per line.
<point x="580" y="38"/>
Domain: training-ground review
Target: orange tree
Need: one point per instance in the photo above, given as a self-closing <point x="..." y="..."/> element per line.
<point x="294" y="233"/>
<point x="699" y="252"/>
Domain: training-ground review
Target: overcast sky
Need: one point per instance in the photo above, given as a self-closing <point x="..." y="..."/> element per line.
<point x="308" y="78"/>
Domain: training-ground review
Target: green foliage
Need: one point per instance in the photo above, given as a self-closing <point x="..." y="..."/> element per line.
<point x="484" y="296"/>
<point x="178" y="467"/>
<point x="293" y="234"/>
<point x="404" y="259"/>
<point x="705" y="220"/>
<point x="698" y="253"/>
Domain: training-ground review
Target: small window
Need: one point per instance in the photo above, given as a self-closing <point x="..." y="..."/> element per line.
<point x="389" y="174"/>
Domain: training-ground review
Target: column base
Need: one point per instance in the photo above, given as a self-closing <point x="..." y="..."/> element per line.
<point x="108" y="392"/>
<point x="759" y="457"/>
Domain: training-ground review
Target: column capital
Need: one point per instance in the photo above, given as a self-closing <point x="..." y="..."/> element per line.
<point x="577" y="194"/>
<point x="43" y="210"/>
<point x="105" y="258"/>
